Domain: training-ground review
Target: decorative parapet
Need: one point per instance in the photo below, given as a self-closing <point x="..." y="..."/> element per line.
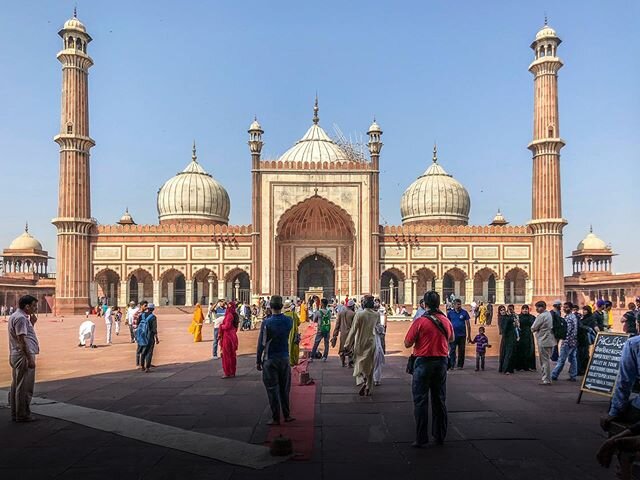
<point x="413" y="229"/>
<point x="289" y="165"/>
<point x="173" y="228"/>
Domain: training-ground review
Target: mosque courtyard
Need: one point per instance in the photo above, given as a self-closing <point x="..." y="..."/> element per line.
<point x="99" y="417"/>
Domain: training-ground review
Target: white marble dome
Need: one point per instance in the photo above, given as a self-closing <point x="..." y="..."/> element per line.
<point x="546" y="32"/>
<point x="592" y="242"/>
<point x="436" y="198"/>
<point x="193" y="196"/>
<point x="26" y="241"/>
<point x="315" y="146"/>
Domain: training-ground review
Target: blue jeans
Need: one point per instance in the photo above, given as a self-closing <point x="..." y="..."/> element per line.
<point x="215" y="342"/>
<point x="319" y="336"/>
<point x="430" y="378"/>
<point x="566" y="353"/>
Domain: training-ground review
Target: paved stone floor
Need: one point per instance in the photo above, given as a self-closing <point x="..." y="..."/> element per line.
<point x="500" y="426"/>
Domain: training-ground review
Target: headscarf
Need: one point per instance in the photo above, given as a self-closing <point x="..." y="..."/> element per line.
<point x="232" y="315"/>
<point x="198" y="316"/>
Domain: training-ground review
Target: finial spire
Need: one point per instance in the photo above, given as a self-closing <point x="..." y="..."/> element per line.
<point x="75" y="11"/>
<point x="316" y="119"/>
<point x="194" y="157"/>
<point x="435" y="153"/>
<point x="545" y="19"/>
<point x="26" y="227"/>
<point x="590" y="228"/>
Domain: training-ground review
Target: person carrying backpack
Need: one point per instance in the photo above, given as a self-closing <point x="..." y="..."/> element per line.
<point x="323" y="318"/>
<point x="147" y="338"/>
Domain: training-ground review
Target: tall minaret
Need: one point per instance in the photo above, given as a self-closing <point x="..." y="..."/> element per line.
<point x="547" y="222"/>
<point x="74" y="222"/>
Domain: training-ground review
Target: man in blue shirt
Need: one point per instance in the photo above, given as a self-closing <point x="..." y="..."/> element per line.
<point x="273" y="360"/>
<point x="462" y="330"/>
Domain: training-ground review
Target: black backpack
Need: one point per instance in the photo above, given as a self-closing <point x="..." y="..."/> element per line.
<point x="559" y="326"/>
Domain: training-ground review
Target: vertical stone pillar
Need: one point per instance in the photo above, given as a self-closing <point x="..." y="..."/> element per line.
<point x="124" y="294"/>
<point x="93" y="294"/>
<point x="157" y="290"/>
<point x="188" y="301"/>
<point x="414" y="292"/>
<point x="200" y="292"/>
<point x="439" y="287"/>
<point x="211" y="292"/>
<point x="528" y="297"/>
<point x="170" y="292"/>
<point x="221" y="289"/>
<point x="112" y="294"/>
<point x="456" y="287"/>
<point x="468" y="291"/>
<point x="141" y="296"/>
<point x="499" y="291"/>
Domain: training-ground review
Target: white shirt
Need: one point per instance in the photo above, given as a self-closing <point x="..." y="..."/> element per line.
<point x="218" y="321"/>
<point x="383" y="315"/>
<point x="130" y="313"/>
<point x="85" y="328"/>
<point x="20" y="324"/>
<point x="107" y="316"/>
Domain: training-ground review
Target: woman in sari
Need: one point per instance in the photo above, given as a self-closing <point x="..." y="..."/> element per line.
<point x="228" y="339"/>
<point x="294" y="337"/>
<point x="482" y="318"/>
<point x="304" y="312"/>
<point x="196" y="324"/>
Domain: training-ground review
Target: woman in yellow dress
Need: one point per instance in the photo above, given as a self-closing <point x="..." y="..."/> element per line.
<point x="196" y="324"/>
<point x="294" y="337"/>
<point x="304" y="309"/>
<point x="483" y="314"/>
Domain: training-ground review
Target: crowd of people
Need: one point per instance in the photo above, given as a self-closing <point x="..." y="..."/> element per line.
<point x="357" y="327"/>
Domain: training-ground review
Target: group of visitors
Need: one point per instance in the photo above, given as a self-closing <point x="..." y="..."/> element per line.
<point x="6" y="310"/>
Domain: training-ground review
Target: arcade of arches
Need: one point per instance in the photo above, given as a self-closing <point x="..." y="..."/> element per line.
<point x="173" y="288"/>
<point x="485" y="286"/>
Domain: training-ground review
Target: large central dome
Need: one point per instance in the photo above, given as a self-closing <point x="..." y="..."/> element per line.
<point x="193" y="196"/>
<point x="436" y="198"/>
<point x="315" y="146"/>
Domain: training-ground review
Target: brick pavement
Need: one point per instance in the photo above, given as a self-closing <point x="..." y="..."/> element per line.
<point x="500" y="427"/>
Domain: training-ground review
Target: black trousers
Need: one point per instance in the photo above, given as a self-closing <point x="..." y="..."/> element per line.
<point x="480" y="361"/>
<point x="276" y="376"/>
<point x="430" y="379"/>
<point x="583" y="359"/>
<point x="456" y="349"/>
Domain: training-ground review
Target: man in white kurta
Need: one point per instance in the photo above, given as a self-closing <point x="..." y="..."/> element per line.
<point x="86" y="334"/>
<point x="361" y="340"/>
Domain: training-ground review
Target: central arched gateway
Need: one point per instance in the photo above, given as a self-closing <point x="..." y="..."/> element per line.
<point x="316" y="271"/>
<point x="315" y="249"/>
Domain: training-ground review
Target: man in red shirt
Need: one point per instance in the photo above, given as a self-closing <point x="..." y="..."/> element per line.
<point x="430" y="336"/>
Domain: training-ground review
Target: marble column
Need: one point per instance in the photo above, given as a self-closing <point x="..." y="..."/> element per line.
<point x="500" y="291"/>
<point x="439" y="287"/>
<point x="170" y="292"/>
<point x="124" y="294"/>
<point x="200" y="292"/>
<point x="468" y="291"/>
<point x="157" y="290"/>
<point x="141" y="292"/>
<point x="528" y="296"/>
<point x="188" y="292"/>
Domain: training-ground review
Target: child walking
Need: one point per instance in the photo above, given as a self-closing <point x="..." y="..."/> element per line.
<point x="482" y="343"/>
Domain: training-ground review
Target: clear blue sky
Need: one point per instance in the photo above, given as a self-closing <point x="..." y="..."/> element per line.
<point x="167" y="72"/>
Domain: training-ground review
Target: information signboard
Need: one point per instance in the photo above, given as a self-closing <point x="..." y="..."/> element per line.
<point x="602" y="371"/>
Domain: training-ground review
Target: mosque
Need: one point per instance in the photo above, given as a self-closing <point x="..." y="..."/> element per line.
<point x="315" y="220"/>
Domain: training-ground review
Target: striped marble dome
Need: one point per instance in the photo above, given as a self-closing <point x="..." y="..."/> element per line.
<point x="193" y="196"/>
<point x="436" y="198"/>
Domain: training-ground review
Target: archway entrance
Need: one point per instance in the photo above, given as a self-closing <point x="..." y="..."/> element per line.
<point x="316" y="271"/>
<point x="315" y="248"/>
